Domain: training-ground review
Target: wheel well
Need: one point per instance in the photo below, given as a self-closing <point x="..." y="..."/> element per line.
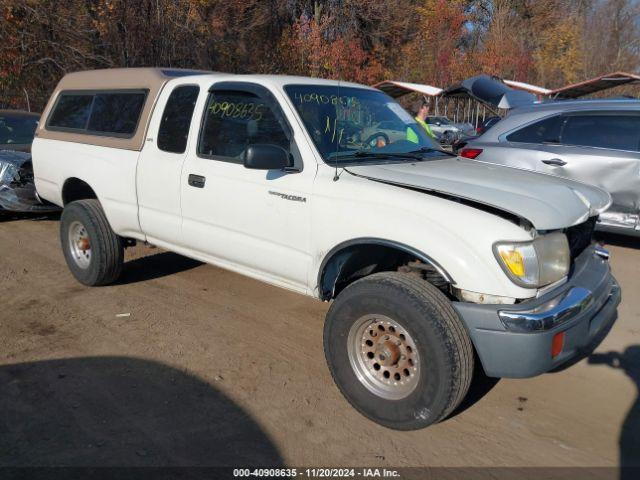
<point x="76" y="189"/>
<point x="353" y="260"/>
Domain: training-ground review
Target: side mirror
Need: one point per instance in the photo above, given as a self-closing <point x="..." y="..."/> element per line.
<point x="438" y="123"/>
<point x="265" y="157"/>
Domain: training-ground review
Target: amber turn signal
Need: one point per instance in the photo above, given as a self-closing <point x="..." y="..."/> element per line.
<point x="557" y="344"/>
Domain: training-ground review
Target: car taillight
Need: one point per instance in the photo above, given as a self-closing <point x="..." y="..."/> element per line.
<point x="470" y="152"/>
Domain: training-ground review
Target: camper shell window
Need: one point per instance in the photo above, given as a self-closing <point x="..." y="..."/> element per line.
<point x="111" y="113"/>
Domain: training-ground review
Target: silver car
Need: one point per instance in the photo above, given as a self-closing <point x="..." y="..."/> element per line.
<point x="593" y="141"/>
<point x="440" y="124"/>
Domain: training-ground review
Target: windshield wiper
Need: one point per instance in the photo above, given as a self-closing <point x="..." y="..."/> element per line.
<point x="380" y="155"/>
<point x="431" y="149"/>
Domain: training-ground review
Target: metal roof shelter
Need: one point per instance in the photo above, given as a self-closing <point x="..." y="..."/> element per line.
<point x="491" y="91"/>
<point x="474" y="96"/>
<point x="467" y="101"/>
<point x="580" y="89"/>
<point x="398" y="89"/>
<point x="527" y="87"/>
<point x="463" y="110"/>
<point x="597" y="84"/>
<point x="485" y="89"/>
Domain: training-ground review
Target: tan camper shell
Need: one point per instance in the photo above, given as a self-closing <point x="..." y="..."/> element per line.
<point x="144" y="82"/>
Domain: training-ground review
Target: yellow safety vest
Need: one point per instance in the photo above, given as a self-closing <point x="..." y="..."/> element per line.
<point x="426" y="127"/>
<point x="413" y="136"/>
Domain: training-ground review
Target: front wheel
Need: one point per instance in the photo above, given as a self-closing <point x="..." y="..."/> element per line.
<point x="398" y="351"/>
<point x="94" y="253"/>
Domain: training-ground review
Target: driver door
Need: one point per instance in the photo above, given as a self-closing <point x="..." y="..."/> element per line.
<point x="255" y="221"/>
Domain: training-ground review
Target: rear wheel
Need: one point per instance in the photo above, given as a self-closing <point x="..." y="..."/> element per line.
<point x="398" y="351"/>
<point x="94" y="253"/>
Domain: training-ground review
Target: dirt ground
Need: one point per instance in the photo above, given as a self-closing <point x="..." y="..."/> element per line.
<point x="186" y="364"/>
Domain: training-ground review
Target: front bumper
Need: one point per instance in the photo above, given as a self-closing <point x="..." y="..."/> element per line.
<point x="515" y="341"/>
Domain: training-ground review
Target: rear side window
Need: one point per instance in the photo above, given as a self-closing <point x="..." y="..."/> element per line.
<point x="113" y="113"/>
<point x="543" y="131"/>
<point x="234" y="120"/>
<point x="618" y="132"/>
<point x="71" y="111"/>
<point x="176" y="119"/>
<point x="116" y="112"/>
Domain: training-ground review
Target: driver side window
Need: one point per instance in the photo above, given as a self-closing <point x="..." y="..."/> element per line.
<point x="233" y="120"/>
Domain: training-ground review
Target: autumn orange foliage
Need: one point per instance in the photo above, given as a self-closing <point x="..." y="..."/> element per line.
<point x="310" y="48"/>
<point x="549" y="42"/>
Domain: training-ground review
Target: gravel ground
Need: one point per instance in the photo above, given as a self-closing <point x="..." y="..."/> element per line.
<point x="186" y="364"/>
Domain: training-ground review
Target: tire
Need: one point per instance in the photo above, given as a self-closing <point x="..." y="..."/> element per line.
<point x="100" y="263"/>
<point x="440" y="361"/>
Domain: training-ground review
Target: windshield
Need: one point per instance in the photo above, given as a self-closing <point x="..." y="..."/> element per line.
<point x="17" y="129"/>
<point x="350" y="124"/>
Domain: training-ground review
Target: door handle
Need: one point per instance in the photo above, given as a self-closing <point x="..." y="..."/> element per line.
<point x="556" y="162"/>
<point x="196" y="180"/>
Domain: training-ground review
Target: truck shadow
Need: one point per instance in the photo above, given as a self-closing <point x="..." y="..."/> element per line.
<point x="481" y="385"/>
<point x="628" y="362"/>
<point x="121" y="411"/>
<point x="157" y="265"/>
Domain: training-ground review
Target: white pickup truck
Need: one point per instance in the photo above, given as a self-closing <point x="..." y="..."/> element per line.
<point x="434" y="264"/>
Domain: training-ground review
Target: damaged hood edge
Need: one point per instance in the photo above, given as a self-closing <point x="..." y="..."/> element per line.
<point x="577" y="202"/>
<point x="468" y="201"/>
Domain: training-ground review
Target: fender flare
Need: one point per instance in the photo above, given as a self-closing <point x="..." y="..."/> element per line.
<point x="335" y="252"/>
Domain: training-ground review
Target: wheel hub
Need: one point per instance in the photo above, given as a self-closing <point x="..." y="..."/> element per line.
<point x="83" y="244"/>
<point x="383" y="356"/>
<point x="79" y="245"/>
<point x="387" y="353"/>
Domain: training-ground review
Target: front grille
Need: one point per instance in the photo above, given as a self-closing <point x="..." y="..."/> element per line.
<point x="579" y="236"/>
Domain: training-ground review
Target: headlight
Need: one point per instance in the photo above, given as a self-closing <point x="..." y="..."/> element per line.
<point x="535" y="264"/>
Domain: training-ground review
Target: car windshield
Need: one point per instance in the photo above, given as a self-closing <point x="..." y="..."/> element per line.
<point x="17" y="129"/>
<point x="357" y="125"/>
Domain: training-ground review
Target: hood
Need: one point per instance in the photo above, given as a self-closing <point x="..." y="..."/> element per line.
<point x="548" y="202"/>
